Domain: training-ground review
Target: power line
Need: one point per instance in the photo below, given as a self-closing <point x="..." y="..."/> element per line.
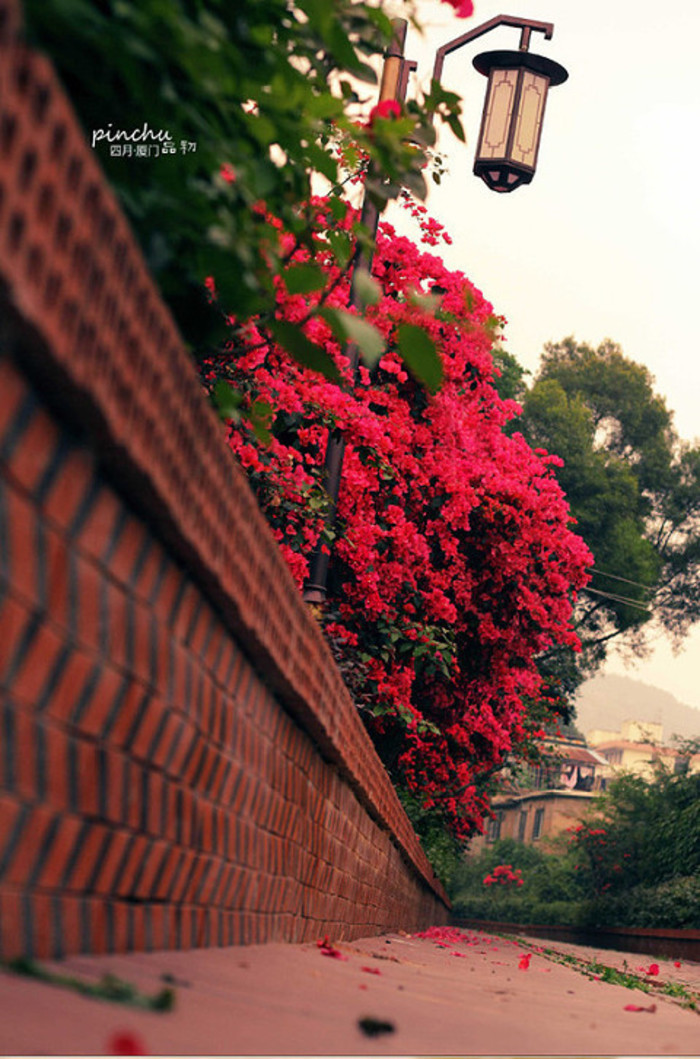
<point x="616" y="577"/>
<point x="618" y="599"/>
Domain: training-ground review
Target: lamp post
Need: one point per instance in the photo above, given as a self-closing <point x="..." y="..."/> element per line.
<point x="506" y="157"/>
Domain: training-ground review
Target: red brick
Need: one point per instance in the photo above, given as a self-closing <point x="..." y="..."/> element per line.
<point x="120" y="919"/>
<point x="57" y="577"/>
<point x="123" y="559"/>
<point x="148" y="725"/>
<point x="12" y="940"/>
<point x="168" y="592"/>
<point x="67" y="690"/>
<point x="87" y="858"/>
<point x="143" y="886"/>
<point x="172" y="858"/>
<point x="94" y="716"/>
<point x="56" y="767"/>
<point x="69" y="487"/>
<point x="56" y="860"/>
<point x="34" y="672"/>
<point x="88" y="779"/>
<point x="98" y="926"/>
<point x="33" y="451"/>
<point x="95" y="535"/>
<point x="30" y="842"/>
<point x="139" y="928"/>
<point x="14" y="390"/>
<point x="41" y="925"/>
<point x="25" y="755"/>
<point x="142" y="642"/>
<point x="164" y="745"/>
<point x="128" y="712"/>
<point x="14" y="617"/>
<point x="148" y="576"/>
<point x="116" y="624"/>
<point x="110" y="861"/>
<point x="115" y="765"/>
<point x="88" y="582"/>
<point x="124" y="884"/>
<point x="70" y="923"/>
<point x="185" y="612"/>
<point x="156" y="798"/>
<point x="159" y="927"/>
<point x="21" y="543"/>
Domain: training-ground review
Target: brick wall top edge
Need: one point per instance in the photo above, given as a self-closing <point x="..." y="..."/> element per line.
<point x="78" y="281"/>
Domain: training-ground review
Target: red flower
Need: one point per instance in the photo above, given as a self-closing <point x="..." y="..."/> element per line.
<point x="525" y="962"/>
<point x="463" y="8"/>
<point x="653" y="968"/>
<point x="456" y="565"/>
<point x="388" y="108"/>
<point x="126" y="1043"/>
<point x="328" y="949"/>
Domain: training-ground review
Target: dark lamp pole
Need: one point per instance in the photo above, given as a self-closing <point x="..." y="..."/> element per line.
<point x="506" y="157"/>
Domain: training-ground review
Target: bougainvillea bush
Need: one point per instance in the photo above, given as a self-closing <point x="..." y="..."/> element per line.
<point x="453" y="562"/>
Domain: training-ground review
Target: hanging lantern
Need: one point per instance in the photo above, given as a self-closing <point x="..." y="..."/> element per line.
<point x="506" y="154"/>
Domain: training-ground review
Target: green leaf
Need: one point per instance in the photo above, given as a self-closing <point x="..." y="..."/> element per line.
<point x="227" y="401"/>
<point x="367" y="288"/>
<point x="306" y="352"/>
<point x="341" y="245"/>
<point x="456" y="126"/>
<point x="418" y="351"/>
<point x="354" y="329"/>
<point x="302" y="279"/>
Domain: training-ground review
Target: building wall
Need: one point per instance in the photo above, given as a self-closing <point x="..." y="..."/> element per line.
<point x="181" y="763"/>
<point x="556" y="810"/>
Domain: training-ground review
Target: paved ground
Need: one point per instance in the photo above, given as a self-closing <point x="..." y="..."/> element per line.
<point x="456" y="993"/>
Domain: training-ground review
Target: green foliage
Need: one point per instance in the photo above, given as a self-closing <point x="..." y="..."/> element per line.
<point x="109" y="987"/>
<point x="268" y="91"/>
<point x="634" y="863"/>
<point x="441" y="847"/>
<point x="633" y="487"/>
<point x="674" y="904"/>
<point x="651" y="831"/>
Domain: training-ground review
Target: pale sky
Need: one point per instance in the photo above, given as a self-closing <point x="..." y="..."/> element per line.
<point x="604" y="242"/>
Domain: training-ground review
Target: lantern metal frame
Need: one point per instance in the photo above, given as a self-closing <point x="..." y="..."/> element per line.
<point x="505" y="172"/>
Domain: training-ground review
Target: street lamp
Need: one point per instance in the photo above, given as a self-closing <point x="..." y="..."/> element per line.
<point x="511" y="124"/>
<point x="506" y="157"/>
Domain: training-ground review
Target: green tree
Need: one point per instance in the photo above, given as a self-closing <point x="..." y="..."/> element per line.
<point x="633" y="488"/>
<point x="643" y="832"/>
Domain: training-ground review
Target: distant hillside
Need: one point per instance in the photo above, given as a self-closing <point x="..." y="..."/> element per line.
<point x="605" y="702"/>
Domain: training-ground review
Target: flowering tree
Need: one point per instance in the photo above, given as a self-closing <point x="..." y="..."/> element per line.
<point x="453" y="562"/>
<point x="504" y="875"/>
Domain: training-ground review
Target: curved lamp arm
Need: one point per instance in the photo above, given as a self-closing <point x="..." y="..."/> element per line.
<point x="526" y="25"/>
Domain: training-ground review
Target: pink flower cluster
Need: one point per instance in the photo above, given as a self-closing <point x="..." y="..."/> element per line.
<point x="504" y="875"/>
<point x="453" y="563"/>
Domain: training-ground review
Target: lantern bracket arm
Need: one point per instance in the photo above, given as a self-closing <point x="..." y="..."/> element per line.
<point x="526" y="25"/>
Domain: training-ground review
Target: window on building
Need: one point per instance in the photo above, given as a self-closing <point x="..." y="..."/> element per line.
<point x="522" y="824"/>
<point x="537" y="824"/>
<point x="494" y="829"/>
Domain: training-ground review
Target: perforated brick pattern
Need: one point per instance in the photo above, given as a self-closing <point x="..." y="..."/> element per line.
<point x="181" y="763"/>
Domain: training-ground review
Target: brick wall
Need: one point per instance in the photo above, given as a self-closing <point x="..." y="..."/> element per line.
<point x="180" y="762"/>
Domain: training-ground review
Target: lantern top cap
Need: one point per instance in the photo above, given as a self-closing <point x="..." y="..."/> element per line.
<point x="513" y="60"/>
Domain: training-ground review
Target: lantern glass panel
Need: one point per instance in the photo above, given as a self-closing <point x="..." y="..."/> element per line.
<point x="493" y="142"/>
<point x="529" y="119"/>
